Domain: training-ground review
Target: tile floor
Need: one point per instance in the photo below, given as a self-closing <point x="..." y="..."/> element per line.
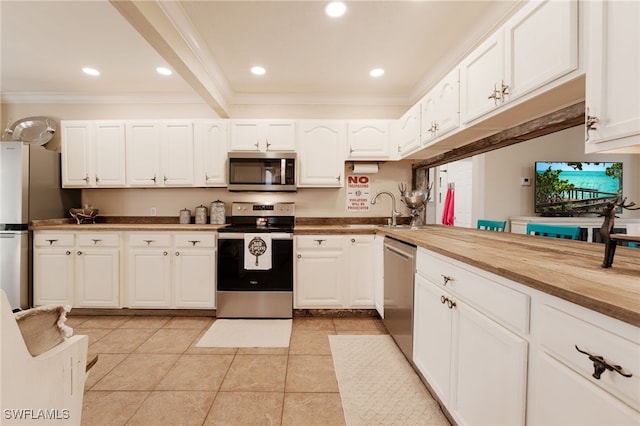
<point x="149" y="372"/>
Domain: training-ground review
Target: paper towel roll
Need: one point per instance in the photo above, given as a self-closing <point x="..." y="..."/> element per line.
<point x="365" y="167"/>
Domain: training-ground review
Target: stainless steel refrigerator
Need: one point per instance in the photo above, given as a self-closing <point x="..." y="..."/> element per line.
<point x="29" y="189"/>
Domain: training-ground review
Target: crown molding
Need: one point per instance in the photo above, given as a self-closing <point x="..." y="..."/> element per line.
<point x="95" y="98"/>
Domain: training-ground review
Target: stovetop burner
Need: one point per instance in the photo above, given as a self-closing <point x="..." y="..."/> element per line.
<point x="261" y="217"/>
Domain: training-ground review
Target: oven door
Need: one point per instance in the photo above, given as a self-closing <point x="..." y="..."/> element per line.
<point x="232" y="276"/>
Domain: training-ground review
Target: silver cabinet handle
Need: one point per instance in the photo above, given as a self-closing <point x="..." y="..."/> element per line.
<point x="194" y="242"/>
<point x="51" y="242"/>
<point x="149" y="242"/>
<point x="320" y="242"/>
<point x="154" y="179"/>
<point x="591" y="123"/>
<point x="86" y="178"/>
<point x="96" y="241"/>
<point x="504" y="90"/>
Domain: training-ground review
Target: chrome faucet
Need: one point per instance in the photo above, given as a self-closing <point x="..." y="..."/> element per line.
<point x="394" y="213"/>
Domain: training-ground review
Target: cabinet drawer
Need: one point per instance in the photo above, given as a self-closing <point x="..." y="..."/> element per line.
<point x="561" y="332"/>
<point x="320" y="241"/>
<point x="98" y="240"/>
<point x="196" y="240"/>
<point x="53" y="240"/>
<point x="508" y="306"/>
<point x="149" y="240"/>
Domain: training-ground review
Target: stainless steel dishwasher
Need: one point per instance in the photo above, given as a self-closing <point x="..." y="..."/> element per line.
<point x="399" y="271"/>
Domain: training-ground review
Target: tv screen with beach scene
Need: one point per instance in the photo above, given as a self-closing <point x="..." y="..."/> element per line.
<point x="574" y="188"/>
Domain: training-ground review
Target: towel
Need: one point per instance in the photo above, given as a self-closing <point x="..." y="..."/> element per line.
<point x="257" y="251"/>
<point x="448" y="210"/>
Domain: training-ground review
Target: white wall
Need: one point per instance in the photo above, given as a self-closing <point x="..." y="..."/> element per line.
<point x="503" y="196"/>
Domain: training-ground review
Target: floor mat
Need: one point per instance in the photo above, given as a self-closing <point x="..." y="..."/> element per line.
<point x="377" y="384"/>
<point x="247" y="333"/>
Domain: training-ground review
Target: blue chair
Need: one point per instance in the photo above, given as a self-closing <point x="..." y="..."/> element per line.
<point x="554" y="231"/>
<point x="492" y="225"/>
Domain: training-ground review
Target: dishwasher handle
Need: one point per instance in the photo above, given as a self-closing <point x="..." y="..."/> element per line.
<point x="403" y="254"/>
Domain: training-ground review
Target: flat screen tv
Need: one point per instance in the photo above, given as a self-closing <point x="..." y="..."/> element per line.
<point x="570" y="189"/>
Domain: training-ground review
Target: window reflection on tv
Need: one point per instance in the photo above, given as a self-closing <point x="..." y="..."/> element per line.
<point x="568" y="189"/>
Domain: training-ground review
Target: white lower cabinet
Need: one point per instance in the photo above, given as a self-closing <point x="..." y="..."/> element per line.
<point x="171" y="270"/>
<point x="334" y="271"/>
<point x="475" y="365"/>
<point x="53" y="268"/>
<point x="97" y="266"/>
<point x="80" y="269"/>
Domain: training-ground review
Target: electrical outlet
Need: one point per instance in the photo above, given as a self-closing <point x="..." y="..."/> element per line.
<point x="525" y="181"/>
<point x="153" y="211"/>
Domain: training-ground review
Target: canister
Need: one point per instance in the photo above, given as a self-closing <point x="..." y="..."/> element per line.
<point x="185" y="216"/>
<point x="202" y="214"/>
<point x="218" y="214"/>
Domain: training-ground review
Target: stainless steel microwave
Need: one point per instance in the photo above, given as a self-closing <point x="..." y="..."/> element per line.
<point x="262" y="171"/>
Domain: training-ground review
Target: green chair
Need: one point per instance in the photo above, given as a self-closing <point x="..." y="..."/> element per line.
<point x="492" y="225"/>
<point x="554" y="231"/>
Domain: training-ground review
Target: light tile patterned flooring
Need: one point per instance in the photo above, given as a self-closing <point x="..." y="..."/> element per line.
<point x="149" y="372"/>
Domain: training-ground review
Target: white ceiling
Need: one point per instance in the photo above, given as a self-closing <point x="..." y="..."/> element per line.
<point x="310" y="58"/>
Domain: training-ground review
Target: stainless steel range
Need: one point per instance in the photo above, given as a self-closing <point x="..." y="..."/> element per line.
<point x="255" y="262"/>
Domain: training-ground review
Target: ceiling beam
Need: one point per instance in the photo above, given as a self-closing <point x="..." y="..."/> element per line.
<point x="167" y="28"/>
<point x="564" y="118"/>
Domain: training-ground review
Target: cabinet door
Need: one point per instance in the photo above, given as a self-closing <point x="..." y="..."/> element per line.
<point x="320" y="272"/>
<point x="481" y="73"/>
<point x="321" y="153"/>
<point x="245" y="135"/>
<point x="280" y="135"/>
<point x="561" y="396"/>
<point x="53" y="276"/>
<point x="143" y="153"/>
<point x="194" y="278"/>
<point x="177" y="153"/>
<point x="108" y="153"/>
<point x="77" y="160"/>
<point x="378" y="279"/>
<point x="613" y="67"/>
<point x="361" y="272"/>
<point x="97" y="278"/>
<point x="212" y="140"/>
<point x="407" y="131"/>
<point x="368" y="139"/>
<point x="490" y="371"/>
<point x="535" y="54"/>
<point x="149" y="278"/>
<point x="432" y="336"/>
<point x="441" y="108"/>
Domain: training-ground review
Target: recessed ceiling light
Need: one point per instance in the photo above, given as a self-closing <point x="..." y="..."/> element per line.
<point x="164" y="71"/>
<point x="376" y="72"/>
<point x="90" y="71"/>
<point x="258" y="70"/>
<point x="335" y="9"/>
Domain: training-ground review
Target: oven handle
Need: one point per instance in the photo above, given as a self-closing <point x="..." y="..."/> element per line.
<point x="240" y="236"/>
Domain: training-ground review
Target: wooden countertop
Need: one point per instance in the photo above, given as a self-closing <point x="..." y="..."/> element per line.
<point x="566" y="269"/>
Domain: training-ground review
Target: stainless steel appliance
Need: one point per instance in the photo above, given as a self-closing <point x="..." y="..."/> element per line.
<point x="244" y="289"/>
<point x="262" y="171"/>
<point x="399" y="271"/>
<point x="29" y="189"/>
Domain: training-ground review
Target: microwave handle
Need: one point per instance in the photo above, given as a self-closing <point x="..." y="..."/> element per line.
<point x="283" y="169"/>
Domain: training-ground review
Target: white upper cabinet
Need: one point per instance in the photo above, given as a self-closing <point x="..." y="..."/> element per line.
<point x="441" y="108"/>
<point x="482" y="79"/>
<point x="176" y="138"/>
<point x="541" y="45"/>
<point x="143" y="153"/>
<point x="368" y="139"/>
<point x="321" y="147"/>
<point x="536" y="47"/>
<point x="613" y="70"/>
<point x="92" y="154"/>
<point x="263" y="135"/>
<point x="212" y="139"/>
<point x="406" y="131"/>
